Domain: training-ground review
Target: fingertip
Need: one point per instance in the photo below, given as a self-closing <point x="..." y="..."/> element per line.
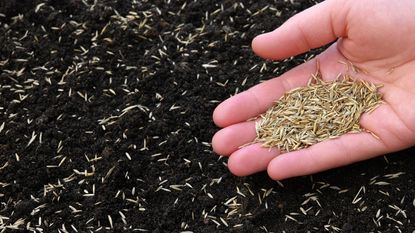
<point x="223" y="115"/>
<point x="218" y="116"/>
<point x="274" y="170"/>
<point x="234" y="166"/>
<point x="264" y="46"/>
<point x="216" y="145"/>
<point x="236" y="109"/>
<point x="255" y="45"/>
<point x="230" y="139"/>
<point x="220" y="141"/>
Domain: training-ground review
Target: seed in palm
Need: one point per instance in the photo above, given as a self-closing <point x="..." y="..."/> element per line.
<point x="317" y="112"/>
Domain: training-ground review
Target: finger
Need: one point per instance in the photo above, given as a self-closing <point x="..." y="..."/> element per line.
<point x="228" y="140"/>
<point x="251" y="159"/>
<point x="256" y="100"/>
<point x="329" y="154"/>
<point x="312" y="28"/>
<point x="259" y="98"/>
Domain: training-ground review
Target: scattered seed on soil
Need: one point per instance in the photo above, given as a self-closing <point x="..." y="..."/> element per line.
<point x="116" y="104"/>
<point x="320" y="111"/>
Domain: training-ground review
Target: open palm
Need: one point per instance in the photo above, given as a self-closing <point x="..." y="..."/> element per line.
<point x="375" y="35"/>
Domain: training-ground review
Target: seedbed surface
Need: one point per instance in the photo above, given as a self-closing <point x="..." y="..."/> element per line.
<point x="105" y="125"/>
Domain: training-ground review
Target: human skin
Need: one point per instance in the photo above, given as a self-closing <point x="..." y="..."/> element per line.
<point x="378" y="36"/>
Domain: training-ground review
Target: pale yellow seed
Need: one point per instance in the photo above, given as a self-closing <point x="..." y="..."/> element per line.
<point x="319" y="111"/>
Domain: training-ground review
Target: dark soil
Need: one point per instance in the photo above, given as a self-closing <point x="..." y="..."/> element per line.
<point x="105" y="125"/>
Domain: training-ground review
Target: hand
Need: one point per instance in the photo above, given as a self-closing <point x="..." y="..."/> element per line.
<point x="377" y="36"/>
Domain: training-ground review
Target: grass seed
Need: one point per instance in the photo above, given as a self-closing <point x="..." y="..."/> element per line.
<point x="317" y="112"/>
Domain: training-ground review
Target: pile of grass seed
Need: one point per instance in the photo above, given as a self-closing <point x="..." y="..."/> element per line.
<point x="317" y="112"/>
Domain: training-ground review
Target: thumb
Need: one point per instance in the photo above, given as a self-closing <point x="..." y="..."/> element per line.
<point x="312" y="28"/>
